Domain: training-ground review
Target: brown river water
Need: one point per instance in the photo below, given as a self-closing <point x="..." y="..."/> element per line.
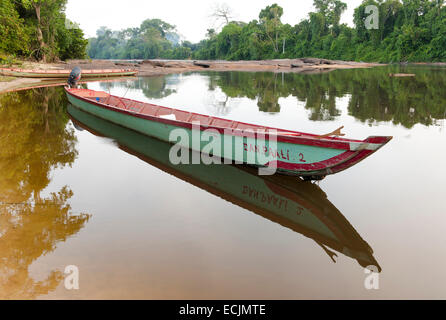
<point x="78" y="191"/>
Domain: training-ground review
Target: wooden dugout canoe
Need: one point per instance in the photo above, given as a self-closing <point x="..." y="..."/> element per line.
<point x="300" y="206"/>
<point x="28" y="73"/>
<point x="46" y="83"/>
<point x="294" y="153"/>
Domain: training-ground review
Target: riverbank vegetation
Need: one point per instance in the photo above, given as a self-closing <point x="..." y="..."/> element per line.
<point x="38" y="29"/>
<point x="408" y="30"/>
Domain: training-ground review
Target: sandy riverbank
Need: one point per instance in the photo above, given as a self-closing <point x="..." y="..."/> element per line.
<point x="157" y="67"/>
<point x="160" y="67"/>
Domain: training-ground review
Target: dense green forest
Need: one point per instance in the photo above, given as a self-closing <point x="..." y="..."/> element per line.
<point x="408" y="30"/>
<point x="38" y="29"/>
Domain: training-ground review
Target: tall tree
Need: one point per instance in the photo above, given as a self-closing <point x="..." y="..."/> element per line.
<point x="332" y="11"/>
<point x="270" y="19"/>
<point x="222" y="14"/>
<point x="37" y="6"/>
<point x="55" y="36"/>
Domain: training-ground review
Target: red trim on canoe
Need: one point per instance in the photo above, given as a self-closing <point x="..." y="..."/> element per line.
<point x="336" y="164"/>
<point x="317" y="166"/>
<point x="154" y="112"/>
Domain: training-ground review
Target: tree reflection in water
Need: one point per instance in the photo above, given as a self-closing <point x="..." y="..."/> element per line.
<point x="373" y="95"/>
<point x="152" y="87"/>
<point x="34" y="141"/>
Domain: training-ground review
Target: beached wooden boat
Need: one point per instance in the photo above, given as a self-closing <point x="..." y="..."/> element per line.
<point x="289" y="152"/>
<point x="27" y="73"/>
<point x="47" y="83"/>
<point x="298" y="205"/>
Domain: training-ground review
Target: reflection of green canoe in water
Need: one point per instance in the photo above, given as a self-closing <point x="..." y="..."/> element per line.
<point x="293" y="203"/>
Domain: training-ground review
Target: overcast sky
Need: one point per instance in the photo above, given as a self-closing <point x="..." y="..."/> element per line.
<point x="191" y="17"/>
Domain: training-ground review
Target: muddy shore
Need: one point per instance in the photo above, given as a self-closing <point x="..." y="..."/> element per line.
<point x="161" y="67"/>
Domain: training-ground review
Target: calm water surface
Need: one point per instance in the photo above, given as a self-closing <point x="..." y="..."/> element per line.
<point x="76" y="190"/>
